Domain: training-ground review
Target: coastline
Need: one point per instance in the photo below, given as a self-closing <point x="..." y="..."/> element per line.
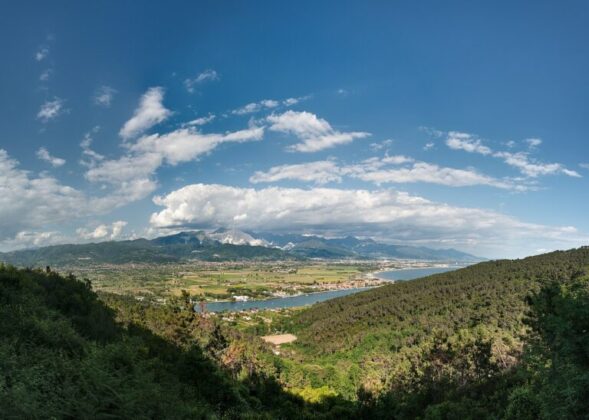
<point x="376" y="274"/>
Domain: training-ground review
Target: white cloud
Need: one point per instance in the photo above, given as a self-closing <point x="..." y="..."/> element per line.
<point x="45" y="75"/>
<point x="396" y="216"/>
<point x="375" y="147"/>
<point x="27" y="202"/>
<point x="434" y="174"/>
<point x="132" y="174"/>
<point x="117" y="229"/>
<point x="320" y="172"/>
<point x="44" y="155"/>
<point x="149" y="113"/>
<point x="206" y="76"/>
<point x="315" y="133"/>
<point x="533" y="143"/>
<point x="104" y="96"/>
<point x="396" y="159"/>
<point x="428" y="146"/>
<point x="51" y="110"/>
<point x="467" y="142"/>
<point x="584" y="165"/>
<point x="379" y="171"/>
<point x="103" y="231"/>
<point x="200" y="121"/>
<point x="32" y="239"/>
<point x="533" y="168"/>
<point x="87" y="151"/>
<point x="256" y="107"/>
<point x="42" y="53"/>
<point x="266" y="104"/>
<point x="187" y="144"/>
<point x="520" y="160"/>
<point x="293" y="101"/>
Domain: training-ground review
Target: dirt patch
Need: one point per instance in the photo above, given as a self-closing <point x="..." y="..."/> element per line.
<point x="279" y="339"/>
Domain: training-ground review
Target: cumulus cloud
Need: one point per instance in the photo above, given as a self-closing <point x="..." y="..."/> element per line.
<point x="32" y="239"/>
<point x="103" y="96"/>
<point x="29" y="202"/>
<point x="50" y="110"/>
<point x="314" y="133"/>
<point x="44" y="155"/>
<point x="390" y="214"/>
<point x="150" y="112"/>
<point x="132" y="176"/>
<point x="206" y="76"/>
<point x="134" y="171"/>
<point x="103" y="231"/>
<point x="521" y="160"/>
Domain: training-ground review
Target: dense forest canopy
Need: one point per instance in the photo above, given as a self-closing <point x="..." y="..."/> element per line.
<point x="64" y="355"/>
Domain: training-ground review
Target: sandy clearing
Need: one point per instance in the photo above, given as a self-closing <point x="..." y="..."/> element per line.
<point x="279" y="339"/>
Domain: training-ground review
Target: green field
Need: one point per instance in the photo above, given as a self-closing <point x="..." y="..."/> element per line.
<point x="222" y="281"/>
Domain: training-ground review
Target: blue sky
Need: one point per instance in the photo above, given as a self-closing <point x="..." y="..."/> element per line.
<point x="446" y="124"/>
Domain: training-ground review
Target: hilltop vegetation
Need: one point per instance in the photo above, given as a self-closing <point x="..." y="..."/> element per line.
<point x="64" y="355"/>
<point x="452" y="341"/>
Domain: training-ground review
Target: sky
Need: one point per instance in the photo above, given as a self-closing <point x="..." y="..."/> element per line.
<point x="458" y="124"/>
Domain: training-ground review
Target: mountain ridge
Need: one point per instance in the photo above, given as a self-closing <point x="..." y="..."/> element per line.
<point x="225" y="245"/>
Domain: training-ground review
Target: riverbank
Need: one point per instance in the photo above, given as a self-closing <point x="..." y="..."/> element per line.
<point x="312" y="298"/>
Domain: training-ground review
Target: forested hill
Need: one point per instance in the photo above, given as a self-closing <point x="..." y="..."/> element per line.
<point x="489" y="293"/>
<point x="500" y="339"/>
<point x="64" y="356"/>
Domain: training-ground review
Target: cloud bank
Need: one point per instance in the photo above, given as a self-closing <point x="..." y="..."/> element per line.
<point x="385" y="214"/>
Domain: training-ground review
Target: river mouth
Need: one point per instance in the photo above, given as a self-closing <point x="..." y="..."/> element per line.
<point x="312" y="298"/>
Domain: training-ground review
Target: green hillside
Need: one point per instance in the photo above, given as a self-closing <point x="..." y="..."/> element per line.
<point x="137" y="251"/>
<point x="64" y="356"/>
<point x="423" y="342"/>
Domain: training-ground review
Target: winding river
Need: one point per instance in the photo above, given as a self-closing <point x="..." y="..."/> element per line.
<point x="311" y="298"/>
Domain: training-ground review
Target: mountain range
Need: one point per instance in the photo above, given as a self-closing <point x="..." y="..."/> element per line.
<point x="225" y="245"/>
